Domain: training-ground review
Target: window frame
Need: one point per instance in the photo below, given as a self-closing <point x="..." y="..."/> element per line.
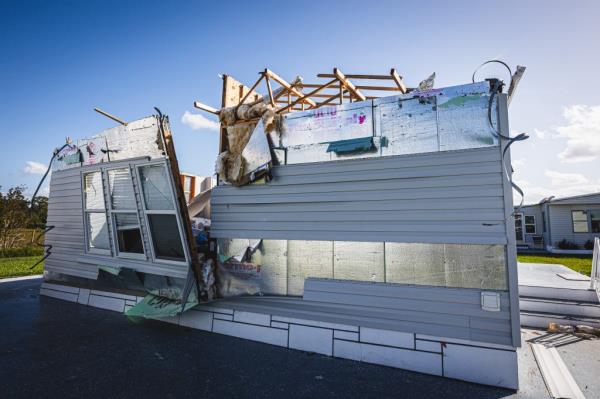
<point x="587" y="221"/>
<point x="88" y="248"/>
<point x="112" y="212"/>
<point x="591" y="229"/>
<point x="174" y="212"/>
<point x="520" y="217"/>
<point x="525" y="224"/>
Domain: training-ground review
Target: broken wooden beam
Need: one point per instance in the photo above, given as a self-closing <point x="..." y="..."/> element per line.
<point x="307" y="95"/>
<point x="398" y="80"/>
<point x="207" y="108"/>
<point x="356" y="76"/>
<point x="288" y="86"/>
<point x="348" y="84"/>
<point x="109" y="116"/>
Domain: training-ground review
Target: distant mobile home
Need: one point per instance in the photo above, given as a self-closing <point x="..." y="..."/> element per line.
<point x="571" y="220"/>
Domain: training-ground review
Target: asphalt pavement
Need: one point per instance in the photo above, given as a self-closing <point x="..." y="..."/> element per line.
<point x="55" y="349"/>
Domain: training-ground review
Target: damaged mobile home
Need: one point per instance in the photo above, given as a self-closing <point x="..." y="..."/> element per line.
<point x="371" y="228"/>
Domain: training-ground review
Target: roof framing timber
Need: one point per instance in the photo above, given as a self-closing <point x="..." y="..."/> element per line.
<point x="290" y="97"/>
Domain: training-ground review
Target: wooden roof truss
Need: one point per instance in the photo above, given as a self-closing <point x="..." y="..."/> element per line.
<point x="300" y="96"/>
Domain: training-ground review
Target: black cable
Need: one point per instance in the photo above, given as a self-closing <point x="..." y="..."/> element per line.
<point x="510" y="140"/>
<point x="48" y="228"/>
<point x="491" y="62"/>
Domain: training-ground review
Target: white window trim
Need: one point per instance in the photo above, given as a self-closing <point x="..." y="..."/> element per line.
<point x="88" y="248"/>
<point x="142" y="212"/>
<point x="525" y="224"/>
<point x="111" y="212"/>
<point x="587" y="221"/>
<point x="174" y="212"/>
<point x="522" y="219"/>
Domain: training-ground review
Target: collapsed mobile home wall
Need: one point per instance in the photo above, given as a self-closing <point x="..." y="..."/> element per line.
<point x="425" y="201"/>
<point x="113" y="205"/>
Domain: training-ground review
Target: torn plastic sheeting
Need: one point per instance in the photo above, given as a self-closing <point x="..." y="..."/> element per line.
<point x="238" y="278"/>
<point x="153" y="306"/>
<point x="238" y="275"/>
<point x="350" y="146"/>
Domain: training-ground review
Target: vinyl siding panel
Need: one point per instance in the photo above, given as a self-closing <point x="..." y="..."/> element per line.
<point x="67" y="237"/>
<point x="561" y="223"/>
<point x="437" y="197"/>
<point x="452" y="312"/>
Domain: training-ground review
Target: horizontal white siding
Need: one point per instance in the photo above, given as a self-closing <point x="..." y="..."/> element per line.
<point x="561" y="223"/>
<point x="442" y="197"/>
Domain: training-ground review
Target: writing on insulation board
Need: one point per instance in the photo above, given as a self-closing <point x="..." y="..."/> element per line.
<point x="327" y="124"/>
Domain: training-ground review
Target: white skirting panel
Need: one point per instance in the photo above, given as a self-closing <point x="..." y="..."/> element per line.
<point x="460" y="359"/>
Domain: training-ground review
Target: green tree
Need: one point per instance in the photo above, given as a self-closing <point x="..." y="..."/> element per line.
<point x="38" y="212"/>
<point x="14" y="215"/>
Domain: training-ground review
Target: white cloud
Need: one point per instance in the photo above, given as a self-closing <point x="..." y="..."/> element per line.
<point x="541" y="134"/>
<point x="34" y="168"/>
<point x="561" y="185"/>
<point x="565" y="179"/>
<point x="517" y="163"/>
<point x="582" y="132"/>
<point x="197" y="122"/>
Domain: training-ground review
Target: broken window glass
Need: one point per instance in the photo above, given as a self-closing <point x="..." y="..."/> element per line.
<point x="129" y="235"/>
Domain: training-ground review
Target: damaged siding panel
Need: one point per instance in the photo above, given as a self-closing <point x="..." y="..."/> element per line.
<point x="66" y="215"/>
<point x="456" y="211"/>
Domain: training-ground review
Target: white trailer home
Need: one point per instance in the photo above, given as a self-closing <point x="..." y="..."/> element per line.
<point x="567" y="224"/>
<point x="379" y="230"/>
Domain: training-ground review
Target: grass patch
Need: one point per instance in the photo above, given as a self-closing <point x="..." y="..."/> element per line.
<point x="22" y="251"/>
<point x="16" y="267"/>
<point x="581" y="264"/>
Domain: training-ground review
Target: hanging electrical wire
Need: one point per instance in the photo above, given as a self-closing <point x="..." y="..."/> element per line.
<point x="496" y="87"/>
<point x="48" y="228"/>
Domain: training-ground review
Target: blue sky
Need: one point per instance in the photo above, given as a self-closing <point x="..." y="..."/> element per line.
<point x="60" y="59"/>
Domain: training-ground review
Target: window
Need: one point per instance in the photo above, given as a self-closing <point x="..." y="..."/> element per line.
<point x="123" y="210"/>
<point x="519" y="226"/>
<point x="530" y="224"/>
<point x="95" y="214"/>
<point x="580" y="222"/>
<point x="595" y="220"/>
<point x="159" y="208"/>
